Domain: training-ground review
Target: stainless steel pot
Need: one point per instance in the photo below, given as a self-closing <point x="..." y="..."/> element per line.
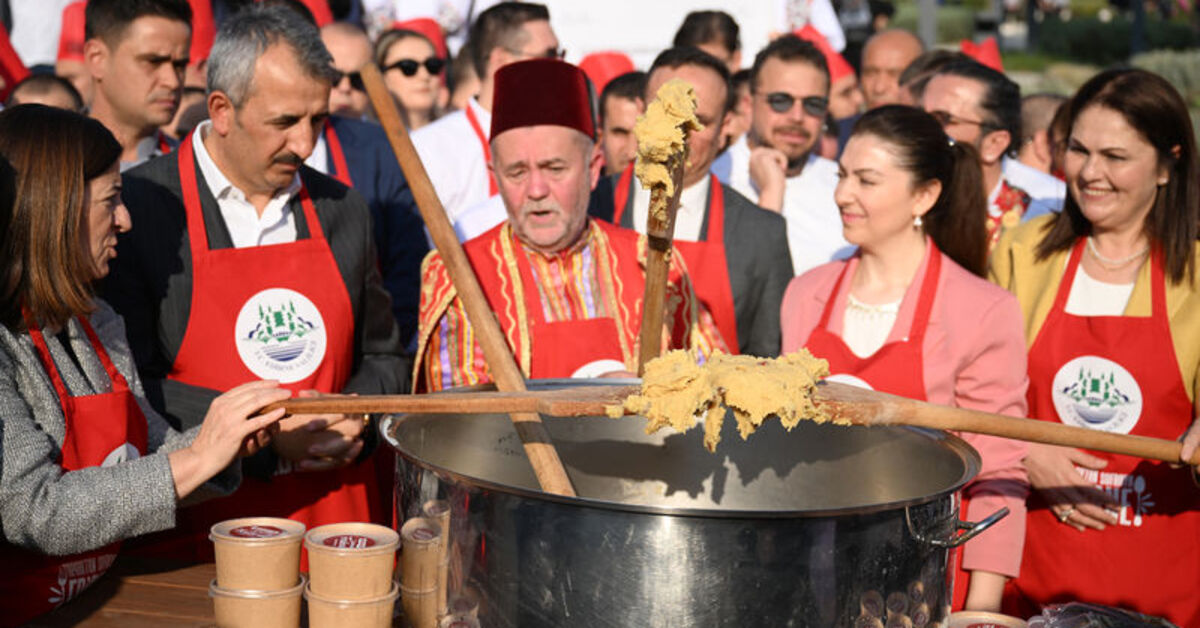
<point x="821" y="526"/>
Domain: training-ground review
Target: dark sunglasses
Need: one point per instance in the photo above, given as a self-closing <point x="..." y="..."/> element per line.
<point x="356" y="81"/>
<point x="782" y="102"/>
<point x="409" y="67"/>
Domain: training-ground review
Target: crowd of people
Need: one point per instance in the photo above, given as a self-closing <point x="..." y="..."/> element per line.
<point x="202" y="216"/>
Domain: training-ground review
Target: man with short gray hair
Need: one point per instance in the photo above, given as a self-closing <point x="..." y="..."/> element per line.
<point x="247" y="264"/>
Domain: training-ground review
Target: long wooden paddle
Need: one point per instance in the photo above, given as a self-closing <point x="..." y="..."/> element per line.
<point x="856" y="405"/>
<point x="508" y="377"/>
<point x="660" y="232"/>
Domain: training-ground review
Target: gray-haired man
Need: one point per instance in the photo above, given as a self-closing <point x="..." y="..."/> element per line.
<point x="245" y="263"/>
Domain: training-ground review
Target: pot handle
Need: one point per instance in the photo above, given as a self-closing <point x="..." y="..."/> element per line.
<point x="963" y="530"/>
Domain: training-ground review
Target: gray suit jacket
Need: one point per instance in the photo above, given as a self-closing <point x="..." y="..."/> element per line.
<point x="150" y="282"/>
<point x="44" y="509"/>
<point x="756" y="256"/>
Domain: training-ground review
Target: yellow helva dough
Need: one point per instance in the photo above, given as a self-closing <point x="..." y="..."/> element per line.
<point x="675" y="389"/>
<point x="660" y="133"/>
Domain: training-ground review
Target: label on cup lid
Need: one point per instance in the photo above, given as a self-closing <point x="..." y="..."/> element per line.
<point x="349" y="541"/>
<point x="256" y="532"/>
<point x="423" y="534"/>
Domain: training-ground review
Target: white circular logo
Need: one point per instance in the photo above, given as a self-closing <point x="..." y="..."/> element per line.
<point x="1095" y="392"/>
<point x="123" y="452"/>
<point x="280" y="335"/>
<point x="843" y="378"/>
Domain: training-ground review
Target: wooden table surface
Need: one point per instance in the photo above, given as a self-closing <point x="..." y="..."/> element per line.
<point x="139" y="593"/>
<point x="142" y="593"/>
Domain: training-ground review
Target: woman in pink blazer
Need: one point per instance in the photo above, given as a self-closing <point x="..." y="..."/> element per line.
<point x="910" y="313"/>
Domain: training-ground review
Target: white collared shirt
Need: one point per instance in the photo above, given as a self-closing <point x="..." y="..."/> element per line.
<point x="453" y="157"/>
<point x="246" y="228"/>
<point x="693" y="203"/>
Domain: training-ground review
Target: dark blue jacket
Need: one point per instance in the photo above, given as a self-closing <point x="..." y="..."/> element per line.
<point x="398" y="227"/>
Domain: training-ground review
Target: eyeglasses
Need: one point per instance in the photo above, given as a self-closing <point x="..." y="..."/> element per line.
<point x="782" y="102"/>
<point x="356" y="82"/>
<point x="409" y="67"/>
<point x="549" y="53"/>
<point x="945" y="118"/>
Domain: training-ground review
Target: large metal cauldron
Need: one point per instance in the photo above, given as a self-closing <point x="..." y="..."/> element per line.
<point x="800" y="528"/>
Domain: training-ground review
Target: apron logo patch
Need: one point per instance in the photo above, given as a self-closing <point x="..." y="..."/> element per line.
<point x="280" y="335"/>
<point x="1094" y="392"/>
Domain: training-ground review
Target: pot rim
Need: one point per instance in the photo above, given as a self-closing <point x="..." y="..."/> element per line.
<point x="971" y="468"/>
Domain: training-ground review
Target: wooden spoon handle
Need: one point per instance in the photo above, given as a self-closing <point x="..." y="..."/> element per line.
<point x="540" y="450"/>
<point x="875" y="408"/>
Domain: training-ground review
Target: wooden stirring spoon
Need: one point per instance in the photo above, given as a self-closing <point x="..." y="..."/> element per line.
<point x="856" y="405"/>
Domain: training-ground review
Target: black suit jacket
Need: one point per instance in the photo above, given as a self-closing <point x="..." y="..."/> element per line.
<point x="756" y="256"/>
<point x="150" y="283"/>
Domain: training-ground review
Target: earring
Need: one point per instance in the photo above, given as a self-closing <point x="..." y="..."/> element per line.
<point x="1162" y="182"/>
<point x="917" y="222"/>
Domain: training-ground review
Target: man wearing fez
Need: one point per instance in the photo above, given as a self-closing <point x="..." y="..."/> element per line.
<point x="245" y="264"/>
<point x="567" y="289"/>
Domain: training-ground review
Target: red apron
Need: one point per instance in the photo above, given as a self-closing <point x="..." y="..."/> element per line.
<point x="1116" y="373"/>
<point x="487" y="149"/>
<point x="340" y="170"/>
<point x="705" y="260"/>
<point x="100" y="430"/>
<point x="898" y="367"/>
<point x="289" y="319"/>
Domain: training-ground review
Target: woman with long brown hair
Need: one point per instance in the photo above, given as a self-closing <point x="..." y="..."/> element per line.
<point x="910" y="314"/>
<point x="84" y="460"/>
<point x="1111" y="302"/>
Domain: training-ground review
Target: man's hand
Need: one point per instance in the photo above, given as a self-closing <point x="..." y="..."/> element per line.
<point x="768" y="172"/>
<point x="316" y="442"/>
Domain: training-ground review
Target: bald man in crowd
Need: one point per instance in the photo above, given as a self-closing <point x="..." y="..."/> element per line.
<point x="46" y="89"/>
<point x="885" y="56"/>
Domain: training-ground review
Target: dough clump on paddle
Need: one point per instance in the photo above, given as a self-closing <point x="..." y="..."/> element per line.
<point x="675" y="389"/>
<point x="661" y="135"/>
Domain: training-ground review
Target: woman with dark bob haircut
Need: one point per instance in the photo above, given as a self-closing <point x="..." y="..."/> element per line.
<point x="1111" y="302"/>
<point x="84" y="460"/>
<point x="911" y="314"/>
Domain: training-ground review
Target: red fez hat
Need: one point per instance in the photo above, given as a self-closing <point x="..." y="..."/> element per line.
<point x="986" y="52"/>
<point x="71" y="36"/>
<point x="204" y="30"/>
<point x="603" y="67"/>
<point x="838" y="67"/>
<point x="428" y="27"/>
<point x="541" y="91"/>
